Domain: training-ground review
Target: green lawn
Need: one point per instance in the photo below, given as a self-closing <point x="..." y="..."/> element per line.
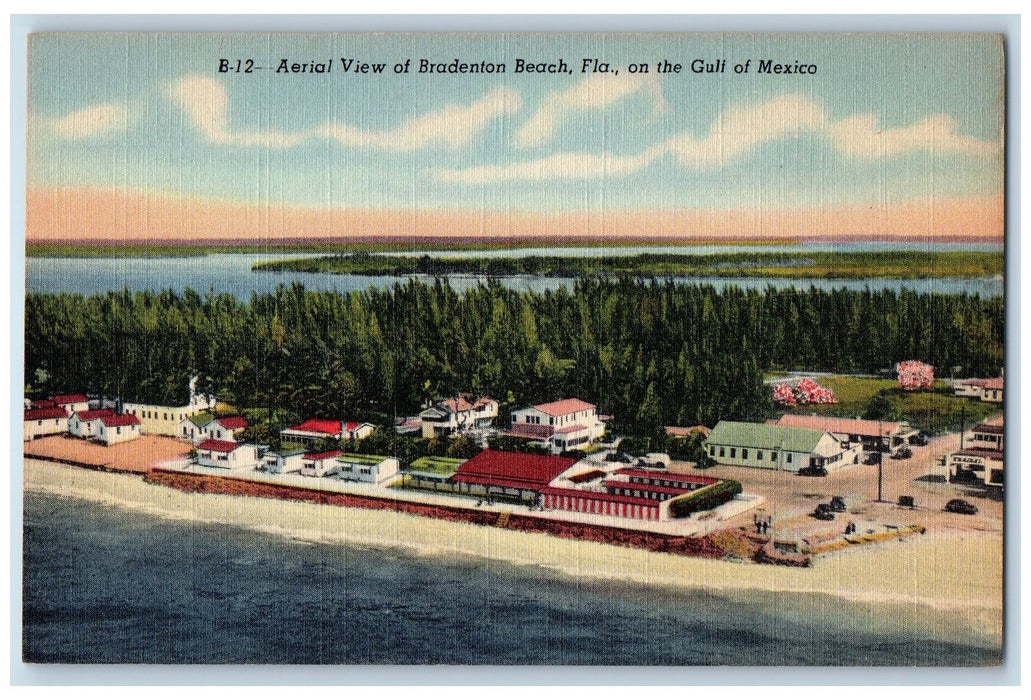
<point x="931" y="412"/>
<point x="436" y="465"/>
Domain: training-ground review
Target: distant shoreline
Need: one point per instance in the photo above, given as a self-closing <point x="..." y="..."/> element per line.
<point x="974" y="601"/>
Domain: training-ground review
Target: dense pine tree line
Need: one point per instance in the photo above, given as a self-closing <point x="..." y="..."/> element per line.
<point x="650" y="353"/>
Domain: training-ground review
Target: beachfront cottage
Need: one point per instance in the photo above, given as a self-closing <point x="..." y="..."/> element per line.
<point x="86" y="424"/>
<point x="320" y="463"/>
<point x="980" y="459"/>
<point x="368" y="469"/>
<point x="287" y="459"/>
<point x="227" y="428"/>
<point x="457" y="415"/>
<point x="118" y="428"/>
<point x="738" y="444"/>
<point x="47" y="420"/>
<point x="227" y="454"/>
<point x="72" y="403"/>
<point x="871" y="435"/>
<point x="314" y="430"/>
<point x="195" y="428"/>
<point x="563" y="425"/>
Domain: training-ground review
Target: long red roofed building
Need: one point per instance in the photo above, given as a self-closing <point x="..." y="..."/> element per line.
<point x="520" y="474"/>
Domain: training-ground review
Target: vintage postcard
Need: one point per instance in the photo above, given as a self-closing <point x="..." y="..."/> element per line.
<point x="509" y="349"/>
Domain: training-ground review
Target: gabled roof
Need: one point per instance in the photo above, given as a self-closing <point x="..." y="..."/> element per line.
<point x="564" y="407"/>
<point x="830" y="424"/>
<point x="988" y="428"/>
<point x="43" y="403"/>
<point x="329" y="454"/>
<point x="764" y="437"/>
<point x="318" y="425"/>
<point x="69" y="398"/>
<point x="201" y="419"/>
<point x="233" y="422"/>
<point x="93" y="415"/>
<point x="512" y="469"/>
<point x="218" y="445"/>
<point x="997" y="383"/>
<point x="45" y="413"/>
<point x="118" y="419"/>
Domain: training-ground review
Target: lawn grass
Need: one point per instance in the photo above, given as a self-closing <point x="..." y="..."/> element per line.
<point x="932" y="412"/>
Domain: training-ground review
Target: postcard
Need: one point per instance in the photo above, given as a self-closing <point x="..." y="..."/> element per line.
<point x="514" y="349"/>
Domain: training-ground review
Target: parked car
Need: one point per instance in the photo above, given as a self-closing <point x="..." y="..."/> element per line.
<point x="902" y="453"/>
<point x="872" y="458"/>
<point x="823" y="512"/>
<point x="812" y="471"/>
<point x="919" y="439"/>
<point x="958" y="505"/>
<point x="837" y="504"/>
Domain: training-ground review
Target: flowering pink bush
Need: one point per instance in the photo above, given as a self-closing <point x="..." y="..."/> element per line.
<point x="915" y="375"/>
<point x="805" y="391"/>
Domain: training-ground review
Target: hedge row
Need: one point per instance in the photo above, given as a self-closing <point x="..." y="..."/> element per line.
<point x="705" y="498"/>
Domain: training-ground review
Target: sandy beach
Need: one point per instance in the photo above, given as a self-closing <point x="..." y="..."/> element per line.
<point x="960" y="572"/>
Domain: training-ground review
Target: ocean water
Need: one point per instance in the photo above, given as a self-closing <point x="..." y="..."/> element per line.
<point x="106" y="585"/>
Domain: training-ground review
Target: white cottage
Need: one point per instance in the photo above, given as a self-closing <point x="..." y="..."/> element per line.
<point x="73" y="403"/>
<point x="49" y="420"/>
<point x="118" y="428"/>
<point x="320" y="463"/>
<point x="287" y="459"/>
<point x="369" y="469"/>
<point x="86" y="424"/>
<point x="225" y="454"/>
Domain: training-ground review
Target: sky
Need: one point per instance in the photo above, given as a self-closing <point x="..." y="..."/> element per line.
<point x="893" y="135"/>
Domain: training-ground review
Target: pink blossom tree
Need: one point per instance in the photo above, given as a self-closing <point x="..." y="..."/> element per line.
<point x="915" y="375"/>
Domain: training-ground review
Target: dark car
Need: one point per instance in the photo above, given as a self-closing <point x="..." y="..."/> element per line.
<point x="902" y="453"/>
<point x="823" y="512"/>
<point x="919" y="439"/>
<point x="872" y="458"/>
<point x="837" y="504"/>
<point x="958" y="505"/>
<point x="812" y="471"/>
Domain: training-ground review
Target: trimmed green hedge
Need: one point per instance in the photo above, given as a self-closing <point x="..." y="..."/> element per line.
<point x="705" y="498"/>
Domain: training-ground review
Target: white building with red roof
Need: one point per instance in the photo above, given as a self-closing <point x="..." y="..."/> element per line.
<point x="86" y="424"/>
<point x="320" y="463"/>
<point x="459" y="414"/>
<point x="873" y="435"/>
<point x="73" y="403"/>
<point x="311" y="431"/>
<point x="116" y="428"/>
<point x="226" y="428"/>
<point x="987" y="390"/>
<point x="227" y="454"/>
<point x="563" y="425"/>
<point x="44" y="420"/>
<point x="980" y="459"/>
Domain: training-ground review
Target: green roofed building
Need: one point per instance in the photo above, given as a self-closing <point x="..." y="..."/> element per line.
<point x="764" y="446"/>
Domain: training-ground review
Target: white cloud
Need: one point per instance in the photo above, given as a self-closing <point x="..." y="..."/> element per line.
<point x="92" y="121"/>
<point x="860" y="135"/>
<point x="737" y="131"/>
<point x="206" y="103"/>
<point x="453" y="125"/>
<point x="597" y="92"/>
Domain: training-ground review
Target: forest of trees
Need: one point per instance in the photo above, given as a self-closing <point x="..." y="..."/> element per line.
<point x="649" y="353"/>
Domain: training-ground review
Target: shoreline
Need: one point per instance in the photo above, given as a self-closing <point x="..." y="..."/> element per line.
<point x="917" y="576"/>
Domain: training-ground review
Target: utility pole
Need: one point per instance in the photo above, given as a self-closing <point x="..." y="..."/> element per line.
<point x="880" y="459"/>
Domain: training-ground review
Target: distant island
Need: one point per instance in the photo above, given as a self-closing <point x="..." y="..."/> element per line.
<point x="821" y="264"/>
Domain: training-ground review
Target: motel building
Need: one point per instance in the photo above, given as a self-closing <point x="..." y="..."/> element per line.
<point x="563" y="425"/>
<point x="47" y="420"/>
<point x="638" y="494"/>
<point x="761" y="446"/>
<point x="287" y="459"/>
<point x="314" y="430"/>
<point x="452" y="416"/>
<point x="980" y="459"/>
<point x="512" y="475"/>
<point x="227" y="454"/>
<point x="987" y="390"/>
<point x="368" y="469"/>
<point x="86" y="424"/>
<point x="320" y="463"/>
<point x="120" y="427"/>
<point x="871" y="435"/>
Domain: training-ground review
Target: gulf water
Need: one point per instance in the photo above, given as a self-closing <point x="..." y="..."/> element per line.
<point x="107" y="585"/>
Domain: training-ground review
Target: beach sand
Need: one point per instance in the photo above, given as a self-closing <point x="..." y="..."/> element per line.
<point x="960" y="572"/>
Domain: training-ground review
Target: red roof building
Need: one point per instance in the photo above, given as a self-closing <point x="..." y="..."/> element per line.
<point x="119" y="419"/>
<point x="45" y="413"/>
<point x="329" y="428"/>
<point x="224" y="446"/>
<point x="511" y="470"/>
<point x="93" y="415"/>
<point x="65" y="399"/>
<point x="564" y="407"/>
<point x="233" y="422"/>
<point x="842" y="426"/>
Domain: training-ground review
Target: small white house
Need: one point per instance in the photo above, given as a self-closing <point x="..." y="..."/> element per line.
<point x="227" y="428"/>
<point x="50" y="420"/>
<point x="225" y="454"/>
<point x="73" y="403"/>
<point x="568" y="424"/>
<point x="86" y="424"/>
<point x="369" y="469"/>
<point x="320" y="463"/>
<point x="195" y="427"/>
<point x="458" y="414"/>
<point x="118" y="428"/>
<point x="285" y="460"/>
